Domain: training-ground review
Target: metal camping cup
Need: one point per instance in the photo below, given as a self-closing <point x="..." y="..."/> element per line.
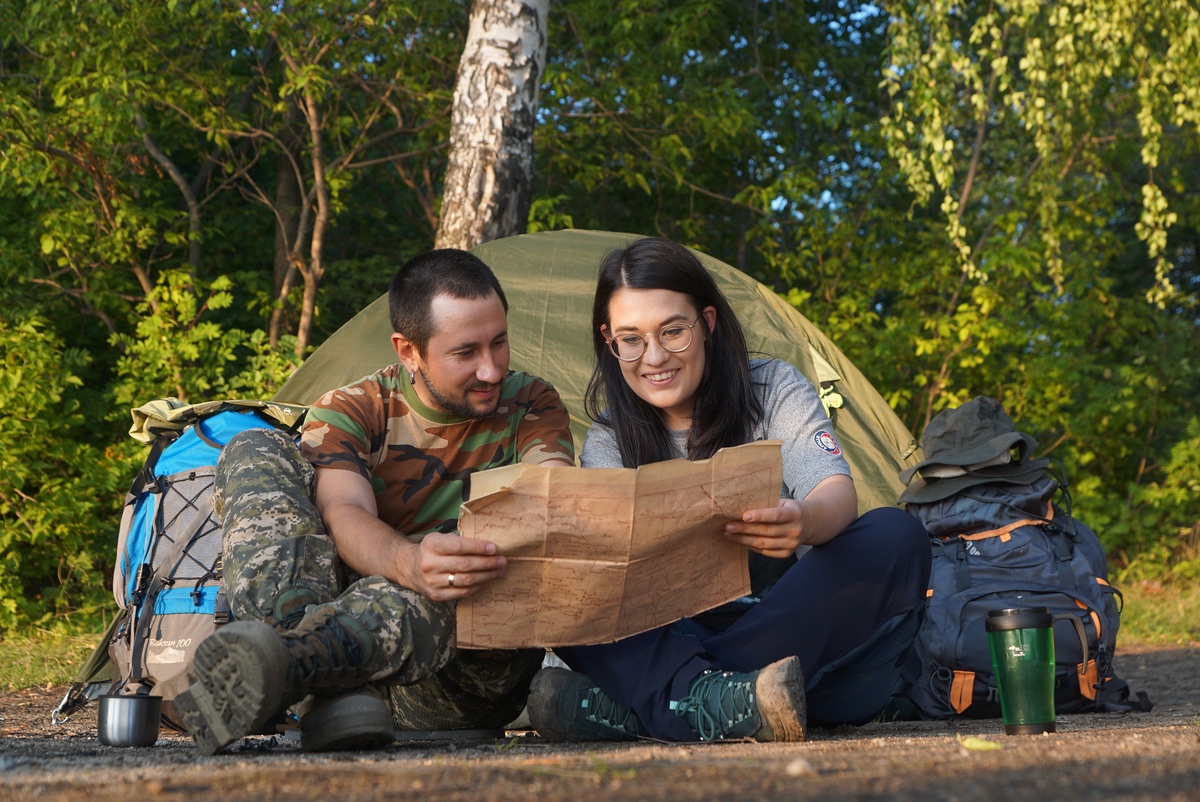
<point x="129" y="720"/>
<point x="1022" y="645"/>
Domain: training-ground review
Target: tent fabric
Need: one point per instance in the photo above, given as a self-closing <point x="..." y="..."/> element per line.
<point x="549" y="279"/>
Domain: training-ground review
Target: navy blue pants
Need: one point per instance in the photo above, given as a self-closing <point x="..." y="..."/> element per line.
<point x="849" y="609"/>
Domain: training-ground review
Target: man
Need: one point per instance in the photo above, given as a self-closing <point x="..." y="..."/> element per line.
<point x="342" y="563"/>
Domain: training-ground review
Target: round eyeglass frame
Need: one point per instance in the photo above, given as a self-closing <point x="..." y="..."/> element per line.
<point x="645" y="338"/>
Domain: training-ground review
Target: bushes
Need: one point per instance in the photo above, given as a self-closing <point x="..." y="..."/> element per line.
<point x="66" y="463"/>
<point x="60" y="492"/>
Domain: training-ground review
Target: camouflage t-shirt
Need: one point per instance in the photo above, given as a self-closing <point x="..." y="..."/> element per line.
<point x="420" y="460"/>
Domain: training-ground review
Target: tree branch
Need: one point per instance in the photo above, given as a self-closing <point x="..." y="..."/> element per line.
<point x="185" y="189"/>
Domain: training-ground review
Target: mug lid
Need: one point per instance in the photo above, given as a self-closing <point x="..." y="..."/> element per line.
<point x="1019" y="618"/>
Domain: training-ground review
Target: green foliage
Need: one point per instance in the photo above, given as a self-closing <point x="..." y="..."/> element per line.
<point x="731" y="126"/>
<point x="959" y="73"/>
<point x="179" y="350"/>
<point x="59" y="493"/>
<point x="1045" y="147"/>
<point x="1159" y="536"/>
<point x="545" y="215"/>
<point x="144" y="137"/>
<point x="81" y="105"/>
<point x="970" y="199"/>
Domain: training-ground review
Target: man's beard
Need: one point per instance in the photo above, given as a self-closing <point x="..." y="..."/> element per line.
<point x="460" y="408"/>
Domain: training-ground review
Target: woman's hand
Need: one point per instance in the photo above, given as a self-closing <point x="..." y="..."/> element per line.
<point x="778" y="531"/>
<point x="772" y="531"/>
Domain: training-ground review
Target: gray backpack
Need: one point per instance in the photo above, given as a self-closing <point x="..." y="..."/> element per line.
<point x="167" y="576"/>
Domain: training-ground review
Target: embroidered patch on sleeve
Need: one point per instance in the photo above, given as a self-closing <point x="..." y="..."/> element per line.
<point x="827" y="442"/>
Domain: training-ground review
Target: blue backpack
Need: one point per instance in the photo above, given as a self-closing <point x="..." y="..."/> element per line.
<point x="167" y="576"/>
<point x="1004" y="545"/>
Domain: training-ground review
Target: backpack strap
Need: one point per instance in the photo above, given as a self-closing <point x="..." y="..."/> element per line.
<point x="266" y="414"/>
<point x="145" y="477"/>
<point x="962" y="690"/>
<point x="955" y="550"/>
<point x="1113" y="695"/>
<point x="1063" y="552"/>
<point x="1004" y="532"/>
<point x="150" y="587"/>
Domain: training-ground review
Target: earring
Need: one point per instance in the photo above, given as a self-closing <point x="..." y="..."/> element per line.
<point x="412" y="377"/>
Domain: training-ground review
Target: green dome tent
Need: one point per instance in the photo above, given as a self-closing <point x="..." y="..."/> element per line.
<point x="549" y="279"/>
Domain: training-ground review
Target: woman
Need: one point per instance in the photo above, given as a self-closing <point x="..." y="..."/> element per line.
<point x="835" y="597"/>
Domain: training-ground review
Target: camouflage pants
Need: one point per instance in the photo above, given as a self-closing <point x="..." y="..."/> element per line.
<point x="278" y="557"/>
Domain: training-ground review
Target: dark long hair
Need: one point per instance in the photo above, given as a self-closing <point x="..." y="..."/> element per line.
<point x="725" y="409"/>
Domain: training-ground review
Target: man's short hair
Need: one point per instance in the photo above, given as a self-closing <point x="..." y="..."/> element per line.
<point x="445" y="271"/>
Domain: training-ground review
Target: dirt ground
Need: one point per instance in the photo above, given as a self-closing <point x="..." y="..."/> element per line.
<point x="1152" y="755"/>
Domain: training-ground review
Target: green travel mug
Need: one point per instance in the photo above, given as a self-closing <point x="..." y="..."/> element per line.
<point x="1021" y="641"/>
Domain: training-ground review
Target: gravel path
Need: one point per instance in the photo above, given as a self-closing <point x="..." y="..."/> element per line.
<point x="1152" y="755"/>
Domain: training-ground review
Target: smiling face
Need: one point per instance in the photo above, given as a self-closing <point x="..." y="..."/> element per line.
<point x="665" y="380"/>
<point x="466" y="359"/>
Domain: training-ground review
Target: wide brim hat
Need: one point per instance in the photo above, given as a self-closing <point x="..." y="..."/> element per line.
<point x="922" y="491"/>
<point x="976" y="433"/>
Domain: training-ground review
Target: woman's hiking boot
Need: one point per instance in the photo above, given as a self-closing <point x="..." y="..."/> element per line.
<point x="246" y="672"/>
<point x="567" y="706"/>
<point x="766" y="705"/>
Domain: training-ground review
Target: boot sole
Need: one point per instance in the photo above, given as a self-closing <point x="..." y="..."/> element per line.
<point x="781" y="703"/>
<point x="240" y="672"/>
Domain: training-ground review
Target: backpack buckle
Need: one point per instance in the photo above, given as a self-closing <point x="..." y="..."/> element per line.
<point x="222" y="614"/>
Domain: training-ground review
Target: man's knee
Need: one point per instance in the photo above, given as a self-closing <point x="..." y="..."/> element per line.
<point x="262" y="461"/>
<point x="274" y="542"/>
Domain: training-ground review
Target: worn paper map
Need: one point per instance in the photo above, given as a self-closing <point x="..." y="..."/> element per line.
<point x="597" y="554"/>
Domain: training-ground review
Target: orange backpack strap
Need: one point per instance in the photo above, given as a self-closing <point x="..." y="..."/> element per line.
<point x="1089" y="680"/>
<point x="1004" y="532"/>
<point x="1100" y="632"/>
<point x="962" y="690"/>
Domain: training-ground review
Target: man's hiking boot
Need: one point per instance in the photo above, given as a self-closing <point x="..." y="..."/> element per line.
<point x="246" y="672"/>
<point x="568" y="706"/>
<point x="766" y="705"/>
<point x="360" y="719"/>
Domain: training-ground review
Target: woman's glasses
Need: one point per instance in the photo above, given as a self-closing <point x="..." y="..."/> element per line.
<point x="673" y="337"/>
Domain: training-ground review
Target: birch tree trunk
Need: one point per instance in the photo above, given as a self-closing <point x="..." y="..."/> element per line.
<point x="489" y="180"/>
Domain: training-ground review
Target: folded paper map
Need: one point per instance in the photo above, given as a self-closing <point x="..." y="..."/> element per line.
<point x="598" y="554"/>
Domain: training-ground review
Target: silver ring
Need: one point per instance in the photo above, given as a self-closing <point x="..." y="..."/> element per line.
<point x="451" y="576"/>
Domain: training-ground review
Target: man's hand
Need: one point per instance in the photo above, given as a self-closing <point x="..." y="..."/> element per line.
<point x="447" y="567"/>
<point x="369" y="546"/>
